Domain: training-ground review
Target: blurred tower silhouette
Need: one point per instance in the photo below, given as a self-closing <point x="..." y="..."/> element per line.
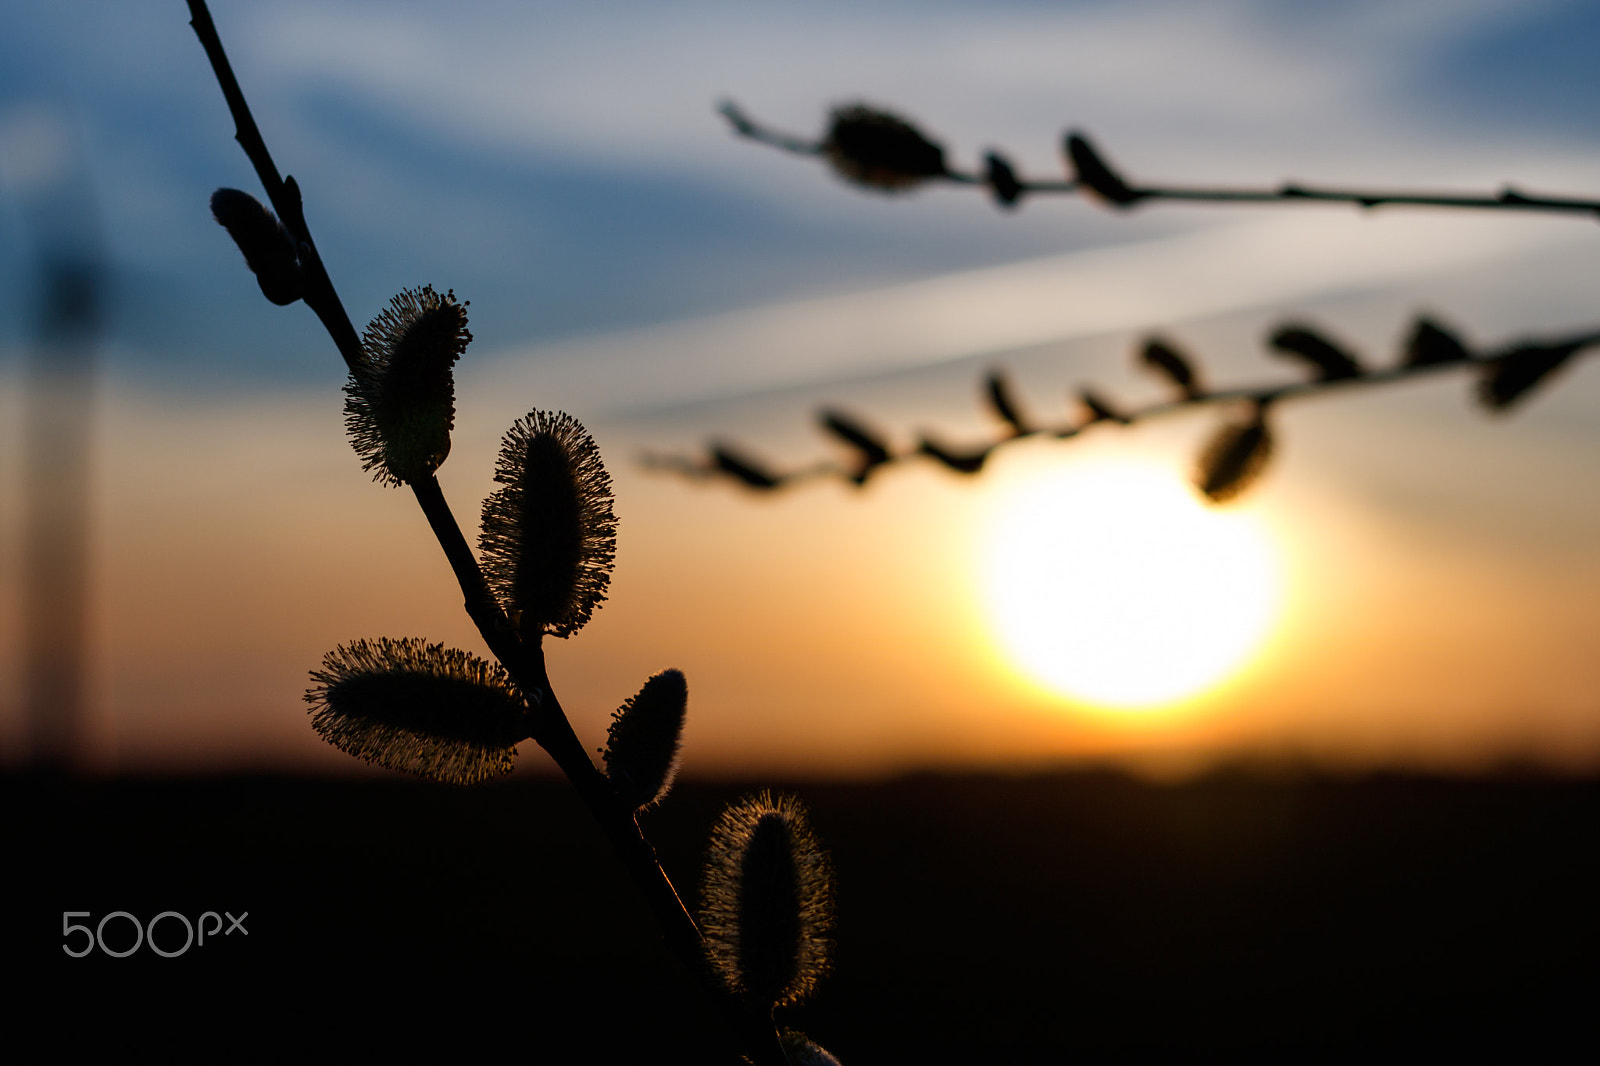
<point x="42" y="164"/>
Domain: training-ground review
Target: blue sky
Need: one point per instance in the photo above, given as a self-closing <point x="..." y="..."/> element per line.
<point x="562" y="166"/>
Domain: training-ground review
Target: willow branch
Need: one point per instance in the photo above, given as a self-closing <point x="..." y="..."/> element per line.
<point x="522" y="658"/>
<point x="322" y="298"/>
<point x="680" y="933"/>
<point x="1508" y="199"/>
<point x="284" y="193"/>
<point x="1090" y="174"/>
<point x="552" y="730"/>
<point x="727" y="462"/>
<point x="745" y="126"/>
<point x="480" y="604"/>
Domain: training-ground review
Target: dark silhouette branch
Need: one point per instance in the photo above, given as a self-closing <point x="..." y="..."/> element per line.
<point x="521" y="655"/>
<point x="480" y="604"/>
<point x="748" y="127"/>
<point x="727" y="461"/>
<point x="1507" y="374"/>
<point x="283" y="193"/>
<point x="998" y="172"/>
<point x="1090" y="173"/>
<point x="882" y="151"/>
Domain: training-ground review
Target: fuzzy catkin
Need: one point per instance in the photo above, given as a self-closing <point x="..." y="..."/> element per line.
<point x="420" y="708"/>
<point x="880" y="150"/>
<point x="400" y="399"/>
<point x="767" y="901"/>
<point x="549" y="536"/>
<point x="1234" y="459"/>
<point x="641" y="753"/>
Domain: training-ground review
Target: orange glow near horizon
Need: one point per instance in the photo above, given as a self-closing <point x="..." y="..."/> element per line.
<point x="824" y="632"/>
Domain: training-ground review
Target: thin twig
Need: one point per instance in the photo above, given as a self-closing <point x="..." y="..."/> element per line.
<point x="284" y="193"/>
<point x="748" y="127"/>
<point x="1129" y="194"/>
<point x="480" y="604"/>
<point x="1508" y="199"/>
<point x="745" y="126"/>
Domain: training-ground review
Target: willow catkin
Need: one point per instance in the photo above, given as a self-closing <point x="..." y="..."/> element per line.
<point x="767" y="901"/>
<point x="1234" y="459"/>
<point x="549" y="536"/>
<point x="417" y="707"/>
<point x="642" y="744"/>
<point x="400" y="399"/>
<point x="880" y="150"/>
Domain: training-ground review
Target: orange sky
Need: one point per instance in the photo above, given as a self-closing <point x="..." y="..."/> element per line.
<point x="1440" y="610"/>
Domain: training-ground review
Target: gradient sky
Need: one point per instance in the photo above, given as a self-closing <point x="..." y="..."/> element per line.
<point x="631" y="262"/>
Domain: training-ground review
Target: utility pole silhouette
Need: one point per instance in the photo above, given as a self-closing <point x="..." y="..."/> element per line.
<point x="46" y="169"/>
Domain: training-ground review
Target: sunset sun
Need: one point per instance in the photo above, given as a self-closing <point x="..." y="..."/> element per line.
<point x="1110" y="583"/>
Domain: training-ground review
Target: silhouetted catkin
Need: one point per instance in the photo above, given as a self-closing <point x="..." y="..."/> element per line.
<point x="739" y="466"/>
<point x="1430" y="344"/>
<point x="1167" y="361"/>
<point x="400" y="399"/>
<point x="1514" y="374"/>
<point x="641" y="753"/>
<point x="1001" y="178"/>
<point x="1092" y="171"/>
<point x="1002" y="401"/>
<point x="1234" y="459"/>
<point x="1330" y="361"/>
<point x="549" y="537"/>
<point x="767" y="902"/>
<point x="880" y="150"/>
<point x="873" y="449"/>
<point x="1099" y="409"/>
<point x="418" y="707"/>
<point x="269" y="249"/>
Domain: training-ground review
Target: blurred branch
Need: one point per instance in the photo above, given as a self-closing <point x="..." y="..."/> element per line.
<point x="730" y="461"/>
<point x="861" y="140"/>
<point x="745" y="126"/>
<point x="1097" y="175"/>
<point x="1506" y="374"/>
<point x="870" y="147"/>
<point x="884" y="152"/>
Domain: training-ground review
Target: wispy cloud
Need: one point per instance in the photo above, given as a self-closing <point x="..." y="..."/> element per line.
<point x="632" y="83"/>
<point x="1226" y="268"/>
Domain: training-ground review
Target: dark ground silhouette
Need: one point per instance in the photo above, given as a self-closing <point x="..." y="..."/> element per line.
<point x="1077" y="916"/>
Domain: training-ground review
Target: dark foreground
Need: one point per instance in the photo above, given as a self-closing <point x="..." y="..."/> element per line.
<point x="1078" y="917"/>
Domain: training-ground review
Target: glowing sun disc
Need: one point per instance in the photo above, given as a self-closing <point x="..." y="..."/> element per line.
<point x="1110" y="583"/>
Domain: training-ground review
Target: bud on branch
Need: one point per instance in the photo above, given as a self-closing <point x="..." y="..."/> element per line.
<point x="269" y="249"/>
<point x="401" y="394"/>
<point x="878" y="150"/>
<point x="768" y="902"/>
<point x="549" y="537"/>
<point x="641" y="754"/>
<point x="418" y="707"/>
